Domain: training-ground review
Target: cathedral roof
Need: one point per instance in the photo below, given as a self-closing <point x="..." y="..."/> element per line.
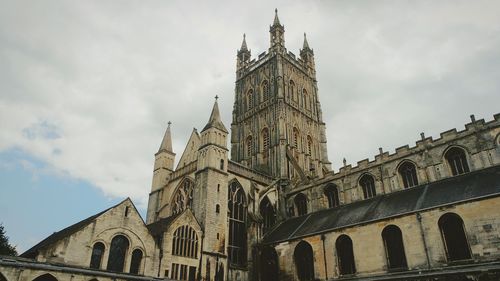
<point x="215" y="121"/>
<point x="56" y="236"/>
<point x="475" y="185"/>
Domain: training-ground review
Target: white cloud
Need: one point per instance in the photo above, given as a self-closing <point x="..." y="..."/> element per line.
<point x="88" y="87"/>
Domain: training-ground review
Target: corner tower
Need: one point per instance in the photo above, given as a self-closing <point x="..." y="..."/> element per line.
<point x="277" y="125"/>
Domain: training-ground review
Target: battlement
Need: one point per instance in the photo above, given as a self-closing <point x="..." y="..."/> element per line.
<point x="424" y="143"/>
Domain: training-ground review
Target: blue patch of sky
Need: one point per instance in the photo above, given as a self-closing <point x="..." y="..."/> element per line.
<point x="35" y="201"/>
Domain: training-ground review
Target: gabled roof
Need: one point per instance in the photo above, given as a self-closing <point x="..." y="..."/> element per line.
<point x="162" y="225"/>
<point x="190" y="153"/>
<point x="470" y="186"/>
<point x="56" y="236"/>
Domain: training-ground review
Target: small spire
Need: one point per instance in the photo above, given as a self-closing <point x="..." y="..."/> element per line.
<point x="276" y="19"/>
<point x="305" y="46"/>
<point x="166" y="143"/>
<point x="244" y="44"/>
<point x="215" y="120"/>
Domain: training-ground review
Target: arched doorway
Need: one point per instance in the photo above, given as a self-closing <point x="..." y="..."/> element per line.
<point x="454" y="238"/>
<point x="394" y="248"/>
<point x="269" y="264"/>
<point x="304" y="261"/>
<point x="345" y="255"/>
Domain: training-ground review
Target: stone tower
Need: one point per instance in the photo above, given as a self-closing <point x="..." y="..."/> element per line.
<point x="163" y="168"/>
<point x="277" y="125"/>
<point x="211" y="191"/>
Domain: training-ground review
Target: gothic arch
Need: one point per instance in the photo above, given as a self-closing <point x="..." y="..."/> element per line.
<point x="45" y="277"/>
<point x="269" y="267"/>
<point x="310" y="148"/>
<point x="345" y="255"/>
<point x="408" y="173"/>
<point x="268" y="214"/>
<point x="300" y="202"/>
<point x="457" y="159"/>
<point x="266" y="139"/>
<point x="97" y="255"/>
<point x="118" y="252"/>
<point x="394" y="247"/>
<point x="454" y="237"/>
<point x="249" y="146"/>
<point x="295" y="137"/>
<point x="293" y="91"/>
<point x="237" y="213"/>
<point x="265" y="90"/>
<point x="182" y="198"/>
<point x="304" y="261"/>
<point x="331" y="192"/>
<point x="305" y="97"/>
<point x="367" y="183"/>
<point x="185" y="242"/>
<point x="250" y="100"/>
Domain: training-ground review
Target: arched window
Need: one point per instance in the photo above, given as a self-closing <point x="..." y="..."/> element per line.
<point x="249" y="146"/>
<point x="332" y="194"/>
<point x="269" y="270"/>
<point x="305" y="96"/>
<point x="183" y="197"/>
<point x="295" y="137"/>
<point x="97" y="253"/>
<point x="300" y="201"/>
<point x="268" y="214"/>
<point x="408" y="173"/>
<point x="457" y="160"/>
<point x="45" y="277"/>
<point x="454" y="238"/>
<point x="185" y="242"/>
<point x="293" y="95"/>
<point x="250" y="99"/>
<point x="368" y="184"/>
<point x="265" y="90"/>
<point x="309" y="145"/>
<point x="345" y="255"/>
<point x="265" y="139"/>
<point x="135" y="263"/>
<point x="117" y="253"/>
<point x="237" y="207"/>
<point x="394" y="248"/>
<point x="304" y="261"/>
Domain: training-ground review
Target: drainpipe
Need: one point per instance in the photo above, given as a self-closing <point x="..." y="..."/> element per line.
<point x="323" y="237"/>
<point x="419" y="218"/>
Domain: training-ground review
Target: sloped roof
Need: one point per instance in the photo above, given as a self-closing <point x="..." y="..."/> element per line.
<point x="161" y="225"/>
<point x="56" y="236"/>
<point x="477" y="184"/>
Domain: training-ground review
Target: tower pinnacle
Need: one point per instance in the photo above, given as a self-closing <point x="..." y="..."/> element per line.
<point x="276" y="19"/>
<point x="305" y="46"/>
<point x="215" y="120"/>
<point x="244" y="44"/>
<point x="166" y="143"/>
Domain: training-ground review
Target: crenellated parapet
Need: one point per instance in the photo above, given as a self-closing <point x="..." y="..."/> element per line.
<point x="455" y="152"/>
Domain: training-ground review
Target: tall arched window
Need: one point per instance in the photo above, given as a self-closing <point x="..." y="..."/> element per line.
<point x="249" y="146"/>
<point x="265" y="139"/>
<point x="305" y="96"/>
<point x="268" y="214"/>
<point x="394" y="248"/>
<point x="183" y="197"/>
<point x="237" y="206"/>
<point x="185" y="242"/>
<point x="332" y="194"/>
<point x="97" y="253"/>
<point x="300" y="201"/>
<point x="345" y="255"/>
<point x="457" y="160"/>
<point x="304" y="261"/>
<point x="293" y="94"/>
<point x="265" y="90"/>
<point x="250" y="99"/>
<point x="309" y="145"/>
<point x="269" y="269"/>
<point x="408" y="173"/>
<point x="368" y="184"/>
<point x="295" y="137"/>
<point x="454" y="238"/>
<point x="45" y="277"/>
<point x="135" y="263"/>
<point x="117" y="253"/>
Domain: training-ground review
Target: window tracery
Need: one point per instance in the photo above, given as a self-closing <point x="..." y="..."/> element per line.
<point x="237" y="207"/>
<point x="185" y="242"/>
<point x="183" y="197"/>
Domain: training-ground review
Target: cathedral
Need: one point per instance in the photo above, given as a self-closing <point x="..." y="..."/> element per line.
<point x="261" y="202"/>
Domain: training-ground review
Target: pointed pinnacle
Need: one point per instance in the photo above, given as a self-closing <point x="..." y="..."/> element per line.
<point x="215" y="120"/>
<point x="166" y="143"/>
<point x="244" y="44"/>
<point x="276" y="19"/>
<point x="306" y="44"/>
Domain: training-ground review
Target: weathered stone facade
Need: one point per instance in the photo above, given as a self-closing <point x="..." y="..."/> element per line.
<point x="275" y="210"/>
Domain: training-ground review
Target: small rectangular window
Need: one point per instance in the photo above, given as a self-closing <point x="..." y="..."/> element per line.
<point x="126" y="211"/>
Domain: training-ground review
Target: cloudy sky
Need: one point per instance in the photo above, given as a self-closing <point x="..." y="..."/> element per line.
<point x="87" y="87"/>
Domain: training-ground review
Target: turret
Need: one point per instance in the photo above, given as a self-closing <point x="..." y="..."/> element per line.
<point x="243" y="54"/>
<point x="307" y="54"/>
<point x="164" y="161"/>
<point x="277" y="35"/>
